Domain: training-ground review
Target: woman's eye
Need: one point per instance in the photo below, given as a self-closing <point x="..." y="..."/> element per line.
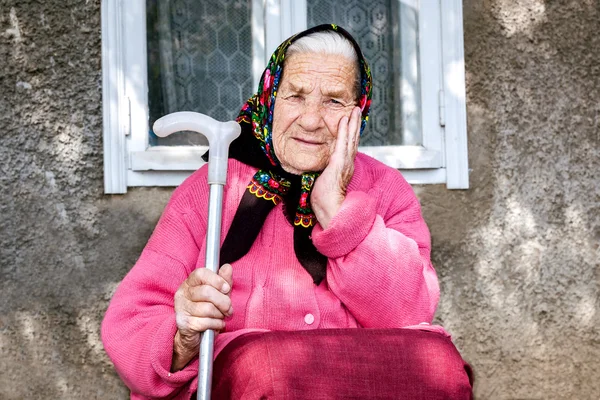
<point x="335" y="103"/>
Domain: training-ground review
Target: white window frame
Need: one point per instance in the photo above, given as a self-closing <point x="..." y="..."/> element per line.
<point x="129" y="160"/>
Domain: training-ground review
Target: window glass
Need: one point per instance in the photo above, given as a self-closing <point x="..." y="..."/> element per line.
<point x="199" y="59"/>
<point x="376" y="27"/>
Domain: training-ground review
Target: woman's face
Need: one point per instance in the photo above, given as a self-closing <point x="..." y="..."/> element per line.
<point x="316" y="91"/>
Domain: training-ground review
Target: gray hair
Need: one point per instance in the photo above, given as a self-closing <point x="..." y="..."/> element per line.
<point x="328" y="42"/>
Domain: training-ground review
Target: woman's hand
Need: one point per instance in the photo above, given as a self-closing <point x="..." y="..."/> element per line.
<point x="201" y="302"/>
<point x="330" y="187"/>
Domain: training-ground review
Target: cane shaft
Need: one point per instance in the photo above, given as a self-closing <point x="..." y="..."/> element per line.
<point x="213" y="246"/>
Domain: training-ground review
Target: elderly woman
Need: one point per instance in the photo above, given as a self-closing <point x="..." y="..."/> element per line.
<point x="316" y="235"/>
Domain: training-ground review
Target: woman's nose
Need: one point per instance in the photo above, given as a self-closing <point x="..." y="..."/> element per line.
<point x="311" y="117"/>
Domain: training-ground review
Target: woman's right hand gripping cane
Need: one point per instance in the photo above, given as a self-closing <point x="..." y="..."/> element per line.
<point x="201" y="302"/>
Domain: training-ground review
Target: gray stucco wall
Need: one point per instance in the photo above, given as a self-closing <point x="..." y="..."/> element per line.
<point x="517" y="255"/>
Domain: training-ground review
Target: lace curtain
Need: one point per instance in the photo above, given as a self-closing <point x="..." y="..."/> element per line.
<point x="199" y="59"/>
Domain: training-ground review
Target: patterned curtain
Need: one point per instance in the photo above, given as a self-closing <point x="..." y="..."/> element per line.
<point x="199" y="59"/>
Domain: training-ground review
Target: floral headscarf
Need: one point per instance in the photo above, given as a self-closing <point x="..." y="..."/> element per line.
<point x="272" y="185"/>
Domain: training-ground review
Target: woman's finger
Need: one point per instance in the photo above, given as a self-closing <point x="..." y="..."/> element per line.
<point x="199" y="324"/>
<point x="341" y="141"/>
<point x="204" y="276"/>
<point x="208" y="294"/>
<point x="204" y="310"/>
<point x="226" y="272"/>
<point x="354" y="132"/>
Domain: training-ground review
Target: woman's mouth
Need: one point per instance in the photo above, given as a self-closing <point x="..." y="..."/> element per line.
<point x="308" y="142"/>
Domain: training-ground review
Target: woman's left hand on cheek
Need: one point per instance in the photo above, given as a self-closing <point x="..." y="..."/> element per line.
<point x="330" y="187"/>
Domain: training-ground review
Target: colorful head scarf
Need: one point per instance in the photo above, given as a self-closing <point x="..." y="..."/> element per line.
<point x="272" y="185"/>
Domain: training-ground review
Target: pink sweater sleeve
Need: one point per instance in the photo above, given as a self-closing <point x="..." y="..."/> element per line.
<point x="378" y="247"/>
<point x="139" y="325"/>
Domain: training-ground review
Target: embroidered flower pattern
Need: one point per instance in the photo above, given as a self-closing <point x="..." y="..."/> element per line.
<point x="266" y="185"/>
<point x="304" y="215"/>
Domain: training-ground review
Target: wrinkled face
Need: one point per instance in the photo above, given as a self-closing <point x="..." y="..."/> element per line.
<point x="316" y="91"/>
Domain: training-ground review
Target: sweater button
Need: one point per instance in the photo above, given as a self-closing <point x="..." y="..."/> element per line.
<point x="309" y="319"/>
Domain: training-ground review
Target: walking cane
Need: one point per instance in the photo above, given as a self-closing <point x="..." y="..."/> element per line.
<point x="219" y="135"/>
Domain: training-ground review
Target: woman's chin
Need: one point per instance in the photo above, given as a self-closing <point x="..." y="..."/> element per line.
<point x="298" y="167"/>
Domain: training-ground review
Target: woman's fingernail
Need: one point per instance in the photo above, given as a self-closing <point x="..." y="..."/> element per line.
<point x="225" y="288"/>
<point x="230" y="311"/>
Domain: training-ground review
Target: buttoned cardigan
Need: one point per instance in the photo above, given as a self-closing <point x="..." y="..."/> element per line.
<point x="379" y="274"/>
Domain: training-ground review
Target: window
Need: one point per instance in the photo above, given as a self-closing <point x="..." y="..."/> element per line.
<point x="161" y="56"/>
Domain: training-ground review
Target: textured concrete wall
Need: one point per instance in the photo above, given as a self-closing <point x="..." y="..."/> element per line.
<point x="64" y="245"/>
<point x="517" y="254"/>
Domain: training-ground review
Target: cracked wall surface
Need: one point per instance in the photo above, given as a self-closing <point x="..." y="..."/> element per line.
<point x="517" y="254"/>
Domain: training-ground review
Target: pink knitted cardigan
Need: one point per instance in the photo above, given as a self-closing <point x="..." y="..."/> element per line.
<point x="379" y="274"/>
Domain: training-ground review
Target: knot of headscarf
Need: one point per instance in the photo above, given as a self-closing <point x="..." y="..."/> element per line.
<point x="271" y="185"/>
